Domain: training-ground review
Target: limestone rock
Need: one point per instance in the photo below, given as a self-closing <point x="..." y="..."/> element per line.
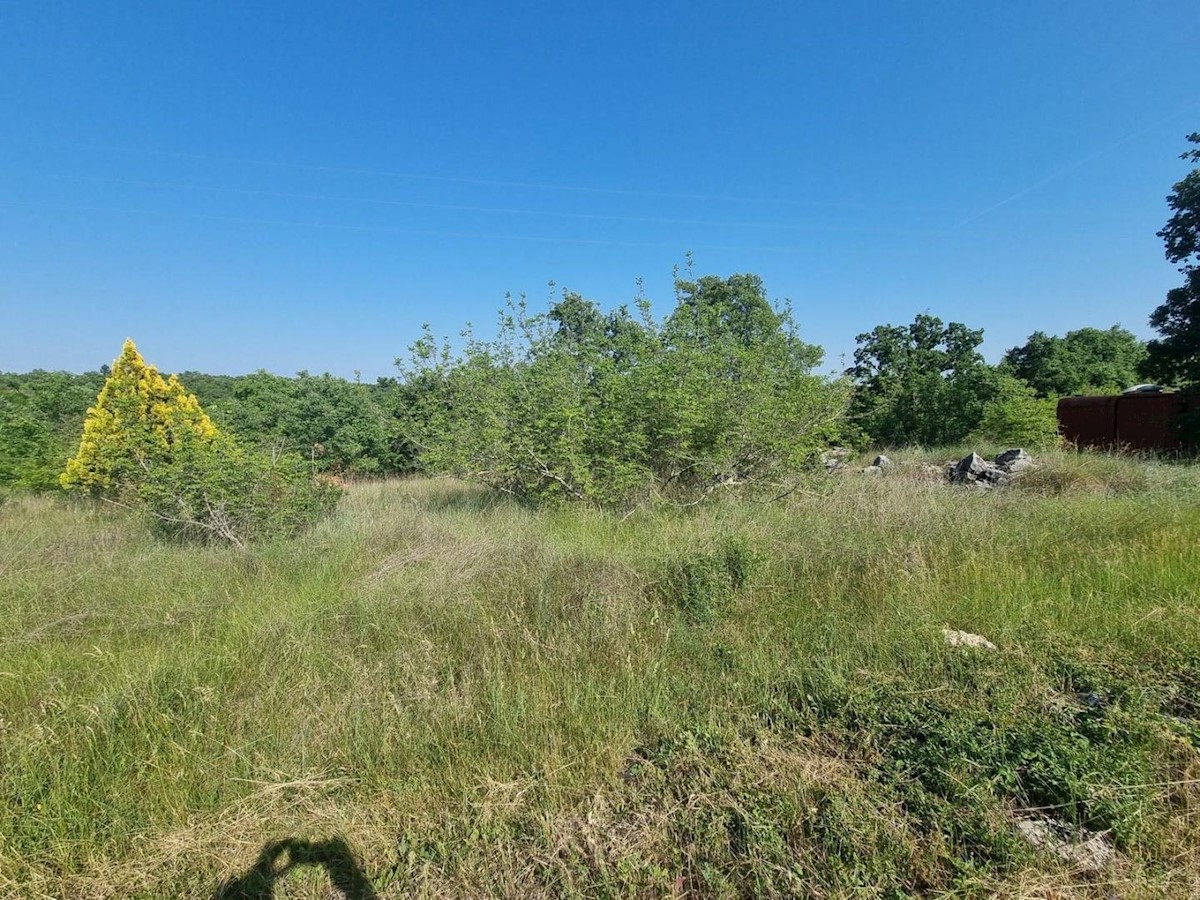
<point x="835" y="458"/>
<point x="1092" y="853"/>
<point x="966" y="639"/>
<point x="974" y="469"/>
<point x="1013" y="461"/>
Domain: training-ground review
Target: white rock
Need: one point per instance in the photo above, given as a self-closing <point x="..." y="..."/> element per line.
<point x="966" y="639"/>
<point x="1092" y="854"/>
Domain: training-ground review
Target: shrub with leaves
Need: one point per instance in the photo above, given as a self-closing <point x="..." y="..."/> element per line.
<point x="1017" y="416"/>
<point x="225" y="493"/>
<point x="148" y="445"/>
<point x="616" y="408"/>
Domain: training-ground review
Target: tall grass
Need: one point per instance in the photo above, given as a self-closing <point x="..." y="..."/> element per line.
<point x="740" y="699"/>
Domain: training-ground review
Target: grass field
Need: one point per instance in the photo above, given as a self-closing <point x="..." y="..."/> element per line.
<point x="441" y="693"/>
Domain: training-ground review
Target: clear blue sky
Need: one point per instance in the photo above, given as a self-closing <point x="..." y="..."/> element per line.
<point x="300" y="185"/>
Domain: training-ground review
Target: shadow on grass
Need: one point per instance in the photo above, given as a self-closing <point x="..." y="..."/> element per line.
<point x="460" y="496"/>
<point x="280" y="857"/>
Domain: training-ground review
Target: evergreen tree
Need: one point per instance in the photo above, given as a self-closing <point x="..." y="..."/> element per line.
<point x="139" y="419"/>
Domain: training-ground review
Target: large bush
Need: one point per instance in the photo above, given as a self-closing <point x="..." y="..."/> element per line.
<point x="225" y="493"/>
<point x="617" y="408"/>
<point x="1017" y="416"/>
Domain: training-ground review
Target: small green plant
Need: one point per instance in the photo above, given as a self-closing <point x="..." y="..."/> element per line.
<point x="703" y="584"/>
<point x="739" y="560"/>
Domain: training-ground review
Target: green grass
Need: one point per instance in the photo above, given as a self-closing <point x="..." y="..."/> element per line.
<point x="734" y="700"/>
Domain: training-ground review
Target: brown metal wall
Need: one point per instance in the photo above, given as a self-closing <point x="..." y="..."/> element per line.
<point x="1136" y="421"/>
<point x="1087" y="421"/>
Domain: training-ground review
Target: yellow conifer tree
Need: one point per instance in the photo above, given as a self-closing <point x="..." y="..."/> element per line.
<point x="139" y="419"/>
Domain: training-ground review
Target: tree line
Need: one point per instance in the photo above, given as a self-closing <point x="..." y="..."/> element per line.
<point x="586" y="403"/>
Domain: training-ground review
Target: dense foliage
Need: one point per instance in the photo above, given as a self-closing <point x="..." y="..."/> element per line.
<point x="340" y="427"/>
<point x="1085" y="361"/>
<point x="1016" y="415"/>
<point x="227" y="493"/>
<point x="921" y="384"/>
<point x="40" y="414"/>
<point x="138" y="422"/>
<point x="612" y="407"/>
<point x="343" y="427"/>
<point x="616" y="408"/>
<point x="1174" y="358"/>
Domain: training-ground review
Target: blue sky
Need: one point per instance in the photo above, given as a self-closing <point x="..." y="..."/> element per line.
<point x="300" y="186"/>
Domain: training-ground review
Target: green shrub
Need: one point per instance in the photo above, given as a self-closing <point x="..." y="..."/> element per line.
<point x="147" y="445"/>
<point x="617" y="409"/>
<point x="703" y="584"/>
<point x="227" y="494"/>
<point x="1018" y="417"/>
<point x="739" y="560"/>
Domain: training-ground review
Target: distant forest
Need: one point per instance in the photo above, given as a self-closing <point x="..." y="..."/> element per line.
<point x="594" y="404"/>
<point x="342" y="426"/>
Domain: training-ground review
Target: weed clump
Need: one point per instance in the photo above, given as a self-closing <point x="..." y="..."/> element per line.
<point x="703" y="585"/>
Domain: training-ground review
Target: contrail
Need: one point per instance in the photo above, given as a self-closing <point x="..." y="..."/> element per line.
<point x="391" y="229"/>
<point x="486" y="182"/>
<point x="420" y="204"/>
<point x="1070" y="167"/>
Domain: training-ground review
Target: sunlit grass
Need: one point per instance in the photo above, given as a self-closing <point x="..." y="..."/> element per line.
<point x="483" y="699"/>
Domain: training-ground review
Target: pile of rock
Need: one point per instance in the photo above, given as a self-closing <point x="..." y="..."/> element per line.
<point x="974" y="469"/>
<point x="835" y="458"/>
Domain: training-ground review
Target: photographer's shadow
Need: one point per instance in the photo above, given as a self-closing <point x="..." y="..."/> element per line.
<point x="280" y="857"/>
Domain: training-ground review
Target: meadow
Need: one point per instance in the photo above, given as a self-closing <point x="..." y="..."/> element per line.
<point x="439" y="692"/>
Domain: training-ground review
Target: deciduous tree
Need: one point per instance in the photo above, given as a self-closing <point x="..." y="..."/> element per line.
<point x="924" y="383"/>
<point x="1089" y="360"/>
<point x="1174" y="358"/>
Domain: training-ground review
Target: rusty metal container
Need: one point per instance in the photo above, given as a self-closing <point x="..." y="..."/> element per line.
<point x="1136" y="421"/>
<point x="1088" y="421"/>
